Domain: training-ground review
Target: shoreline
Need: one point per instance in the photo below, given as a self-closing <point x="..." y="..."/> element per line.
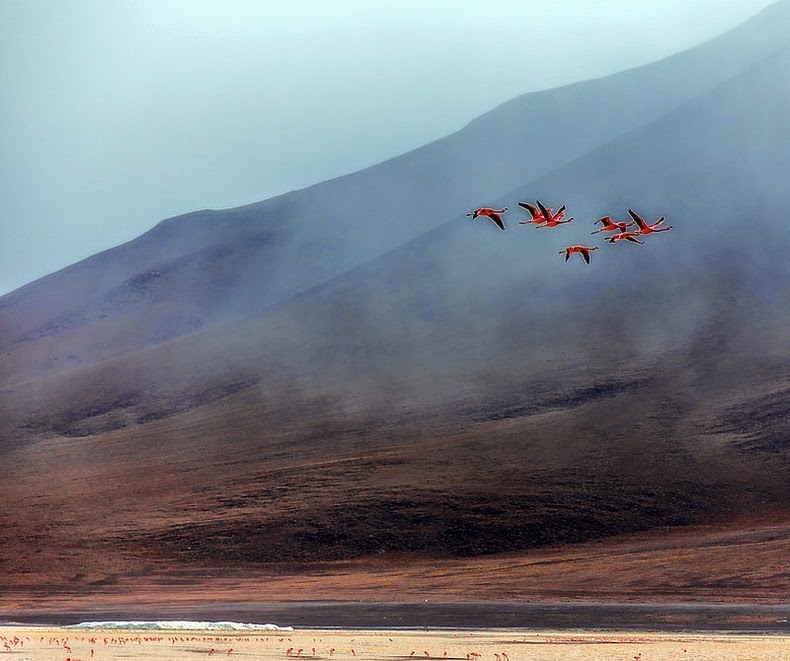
<point x="56" y="643"/>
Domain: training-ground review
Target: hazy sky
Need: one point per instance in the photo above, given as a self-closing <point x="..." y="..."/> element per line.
<point x="117" y="114"/>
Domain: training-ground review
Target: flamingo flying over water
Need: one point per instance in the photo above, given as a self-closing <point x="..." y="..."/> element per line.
<point x="552" y="220"/>
<point x="608" y="225"/>
<point x="584" y="251"/>
<point x="494" y="214"/>
<point x="537" y="215"/>
<point x="644" y="228"/>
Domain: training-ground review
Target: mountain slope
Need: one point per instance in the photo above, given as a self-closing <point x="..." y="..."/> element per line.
<point x="211" y="266"/>
<point x="466" y="394"/>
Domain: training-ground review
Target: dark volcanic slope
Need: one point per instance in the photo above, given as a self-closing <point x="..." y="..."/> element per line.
<point x="467" y="394"/>
<point x="210" y="266"/>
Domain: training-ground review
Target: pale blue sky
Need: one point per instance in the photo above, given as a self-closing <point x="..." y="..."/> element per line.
<point x="117" y="114"/>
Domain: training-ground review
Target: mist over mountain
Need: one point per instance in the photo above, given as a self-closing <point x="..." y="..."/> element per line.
<point x="359" y="368"/>
<point x="211" y="266"/>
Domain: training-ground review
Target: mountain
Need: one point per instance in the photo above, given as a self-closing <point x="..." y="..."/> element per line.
<point x="465" y="394"/>
<point x="212" y="266"/>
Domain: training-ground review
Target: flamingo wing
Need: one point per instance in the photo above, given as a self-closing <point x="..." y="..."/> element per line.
<point x="543" y="210"/>
<point x="533" y="210"/>
<point x="605" y="221"/>
<point x="586" y="255"/>
<point x="639" y="220"/>
<point x="497" y="219"/>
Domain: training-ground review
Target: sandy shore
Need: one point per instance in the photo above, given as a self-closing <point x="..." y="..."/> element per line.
<point x="65" y="644"/>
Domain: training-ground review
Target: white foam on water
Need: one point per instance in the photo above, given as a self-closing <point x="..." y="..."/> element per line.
<point x="178" y="625"/>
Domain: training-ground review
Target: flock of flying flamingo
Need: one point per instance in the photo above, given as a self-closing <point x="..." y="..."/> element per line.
<point x="543" y="217"/>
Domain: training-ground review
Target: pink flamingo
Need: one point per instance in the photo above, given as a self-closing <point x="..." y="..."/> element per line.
<point x="494" y="214"/>
<point x="537" y="216"/>
<point x="552" y="220"/>
<point x="627" y="236"/>
<point x="608" y="225"/>
<point x="584" y="251"/>
<point x="644" y="228"/>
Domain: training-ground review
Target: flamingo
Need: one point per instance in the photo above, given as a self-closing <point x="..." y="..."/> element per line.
<point x="610" y="226"/>
<point x="627" y="236"/>
<point x="644" y="228"/>
<point x="537" y="216"/>
<point x="494" y="214"/>
<point x="584" y="251"/>
<point x="552" y="220"/>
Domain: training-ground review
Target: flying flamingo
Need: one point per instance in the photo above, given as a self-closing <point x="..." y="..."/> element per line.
<point x="494" y="214"/>
<point x="552" y="220"/>
<point x="644" y="228"/>
<point x="537" y="216"/>
<point x="628" y="236"/>
<point x="610" y="226"/>
<point x="584" y="251"/>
